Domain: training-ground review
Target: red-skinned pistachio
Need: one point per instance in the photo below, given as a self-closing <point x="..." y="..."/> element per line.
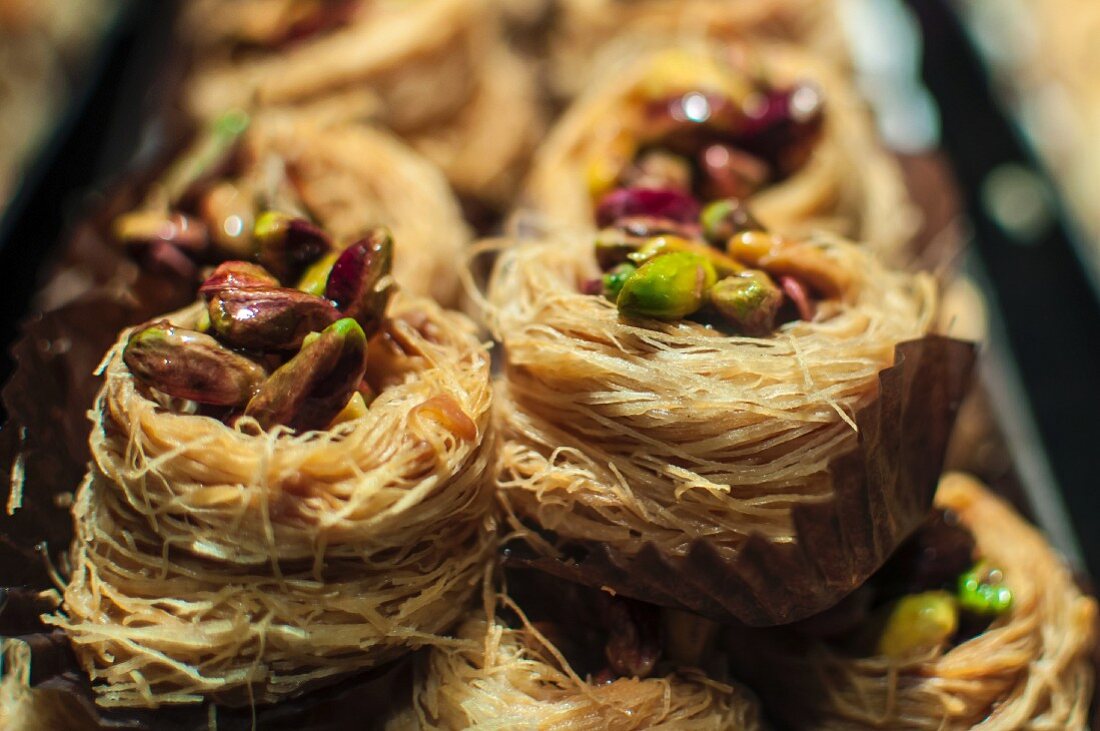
<point x="190" y="365"/>
<point x="237" y="275"/>
<point x="310" y="389"/>
<point x="288" y="245"/>
<point x="675" y="205"/>
<point x="360" y="283"/>
<point x="634" y="637"/>
<point x="272" y="318"/>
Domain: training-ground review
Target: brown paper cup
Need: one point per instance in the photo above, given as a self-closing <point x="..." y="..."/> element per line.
<point x="882" y="490"/>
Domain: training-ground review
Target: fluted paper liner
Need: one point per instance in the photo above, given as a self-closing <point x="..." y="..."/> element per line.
<point x="881" y="492"/>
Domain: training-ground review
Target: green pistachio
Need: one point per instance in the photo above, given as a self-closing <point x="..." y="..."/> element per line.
<point x="315" y="278"/>
<point x="982" y="590"/>
<point x="190" y="365"/>
<point x="314" y="386"/>
<point x="613" y="246"/>
<point x="655" y="246"/>
<point x="749" y="301"/>
<point x="668" y="287"/>
<point x="614" y="280"/>
<point x="288" y="244"/>
<point x="918" y="623"/>
<point x="725" y="218"/>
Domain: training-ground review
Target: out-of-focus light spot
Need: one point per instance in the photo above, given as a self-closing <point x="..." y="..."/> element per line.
<point x="233" y="226"/>
<point x="696" y="107"/>
<point x="1018" y="200"/>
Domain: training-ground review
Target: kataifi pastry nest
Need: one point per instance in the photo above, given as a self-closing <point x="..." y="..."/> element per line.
<point x="848" y="185"/>
<point x="247" y="566"/>
<point x="1031" y="669"/>
<point x="585" y="27"/>
<point x="354" y="178"/>
<point x="687" y="467"/>
<point x="436" y="72"/>
<point x="509" y="674"/>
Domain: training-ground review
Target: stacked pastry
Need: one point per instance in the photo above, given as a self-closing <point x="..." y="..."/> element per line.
<point x="287" y="483"/>
<point x="708" y="466"/>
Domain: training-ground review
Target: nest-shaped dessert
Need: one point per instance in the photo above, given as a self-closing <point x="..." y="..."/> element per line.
<point x="584" y="27"/>
<point x="505" y="669"/>
<point x="347" y="179"/>
<point x="680" y="463"/>
<point x="227" y="561"/>
<point x="771" y="125"/>
<point x="429" y="70"/>
<point x="1030" y="668"/>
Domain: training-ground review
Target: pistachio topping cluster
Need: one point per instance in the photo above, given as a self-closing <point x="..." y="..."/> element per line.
<point x="205" y="208"/>
<point x="291" y="356"/>
<point x="723" y="264"/>
<point x="677" y="238"/>
<point x="932" y="593"/>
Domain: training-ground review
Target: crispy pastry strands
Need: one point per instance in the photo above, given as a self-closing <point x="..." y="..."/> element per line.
<point x="632" y="432"/>
<point x="849" y="186"/>
<point x="415" y="61"/>
<point x="585" y="26"/>
<point x="249" y="567"/>
<point x="496" y="677"/>
<point x="434" y="71"/>
<point x="354" y="178"/>
<point x="1030" y="670"/>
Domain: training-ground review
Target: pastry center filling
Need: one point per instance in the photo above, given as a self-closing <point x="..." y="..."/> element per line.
<point x="677" y="238"/>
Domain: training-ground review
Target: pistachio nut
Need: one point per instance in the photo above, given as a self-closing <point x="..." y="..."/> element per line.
<point x="732" y="173"/>
<point x="315" y="278"/>
<point x="723" y="219"/>
<point x="783" y="125"/>
<point x="779" y="257"/>
<point x="667" y="287"/>
<point x="360" y="283"/>
<point x="670" y="203"/>
<point x="190" y="365"/>
<point x="287" y="245"/>
<point x="271" y="318"/>
<point x="613" y="246"/>
<point x="659" y="169"/>
<point x="919" y="623"/>
<point x="614" y="280"/>
<point x="310" y="389"/>
<point x="656" y="246"/>
<point x="797" y="294"/>
<point x="749" y="301"/>
<point x="237" y="275"/>
<point x="633" y="646"/>
<point x="982" y="590"/>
